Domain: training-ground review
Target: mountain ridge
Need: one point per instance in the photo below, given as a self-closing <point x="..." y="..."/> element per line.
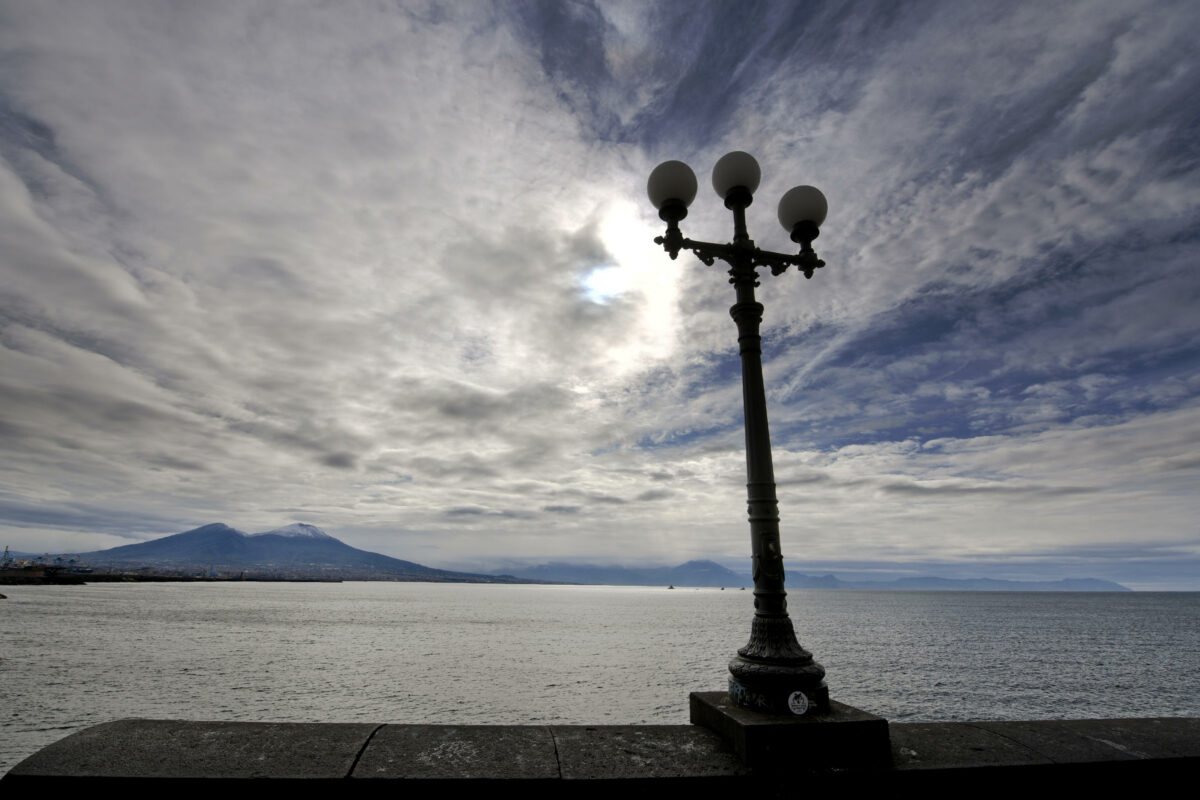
<point x="301" y="550"/>
<point x="298" y="550"/>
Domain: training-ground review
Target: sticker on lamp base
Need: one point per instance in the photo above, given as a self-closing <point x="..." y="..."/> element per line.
<point x="798" y="703"/>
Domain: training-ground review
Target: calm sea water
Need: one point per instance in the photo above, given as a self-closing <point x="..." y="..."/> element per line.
<point x="74" y="656"/>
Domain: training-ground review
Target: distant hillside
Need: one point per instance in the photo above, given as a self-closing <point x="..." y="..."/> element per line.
<point x="709" y="573"/>
<point x="294" y="551"/>
<point x="693" y="573"/>
<point x="956" y="584"/>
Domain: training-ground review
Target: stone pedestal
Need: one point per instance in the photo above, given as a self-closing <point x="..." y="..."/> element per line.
<point x="841" y="738"/>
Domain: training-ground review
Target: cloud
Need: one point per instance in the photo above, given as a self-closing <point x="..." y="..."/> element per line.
<point x="390" y="270"/>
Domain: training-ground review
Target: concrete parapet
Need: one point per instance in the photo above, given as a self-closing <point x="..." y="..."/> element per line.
<point x="424" y="759"/>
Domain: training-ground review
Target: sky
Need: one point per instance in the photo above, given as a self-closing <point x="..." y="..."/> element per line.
<point x="388" y="269"/>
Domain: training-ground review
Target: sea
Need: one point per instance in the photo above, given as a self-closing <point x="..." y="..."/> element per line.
<point x="75" y="656"/>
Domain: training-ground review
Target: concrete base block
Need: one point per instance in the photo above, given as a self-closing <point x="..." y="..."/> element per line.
<point x="843" y="738"/>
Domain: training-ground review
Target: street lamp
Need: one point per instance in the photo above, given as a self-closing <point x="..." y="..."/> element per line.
<point x="772" y="673"/>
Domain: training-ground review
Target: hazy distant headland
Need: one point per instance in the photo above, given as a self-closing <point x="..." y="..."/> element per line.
<point x="305" y="552"/>
<point x="709" y="573"/>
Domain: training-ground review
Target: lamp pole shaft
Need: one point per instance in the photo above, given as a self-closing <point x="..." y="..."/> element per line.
<point x="772" y="669"/>
<point x="762" y="503"/>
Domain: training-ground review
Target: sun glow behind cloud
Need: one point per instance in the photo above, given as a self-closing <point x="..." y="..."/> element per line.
<point x="639" y="276"/>
<point x="604" y="283"/>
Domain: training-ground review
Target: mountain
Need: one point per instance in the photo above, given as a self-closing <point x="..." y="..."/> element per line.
<point x="298" y="550"/>
<point x="204" y="545"/>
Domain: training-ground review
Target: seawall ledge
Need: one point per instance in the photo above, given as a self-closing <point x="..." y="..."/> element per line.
<point x="549" y="759"/>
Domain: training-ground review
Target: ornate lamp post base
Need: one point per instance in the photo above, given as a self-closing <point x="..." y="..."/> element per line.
<point x="782" y="696"/>
<point x="778" y="688"/>
<point x="774" y="674"/>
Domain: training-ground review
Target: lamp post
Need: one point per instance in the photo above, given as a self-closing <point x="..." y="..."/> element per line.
<point x="772" y="673"/>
